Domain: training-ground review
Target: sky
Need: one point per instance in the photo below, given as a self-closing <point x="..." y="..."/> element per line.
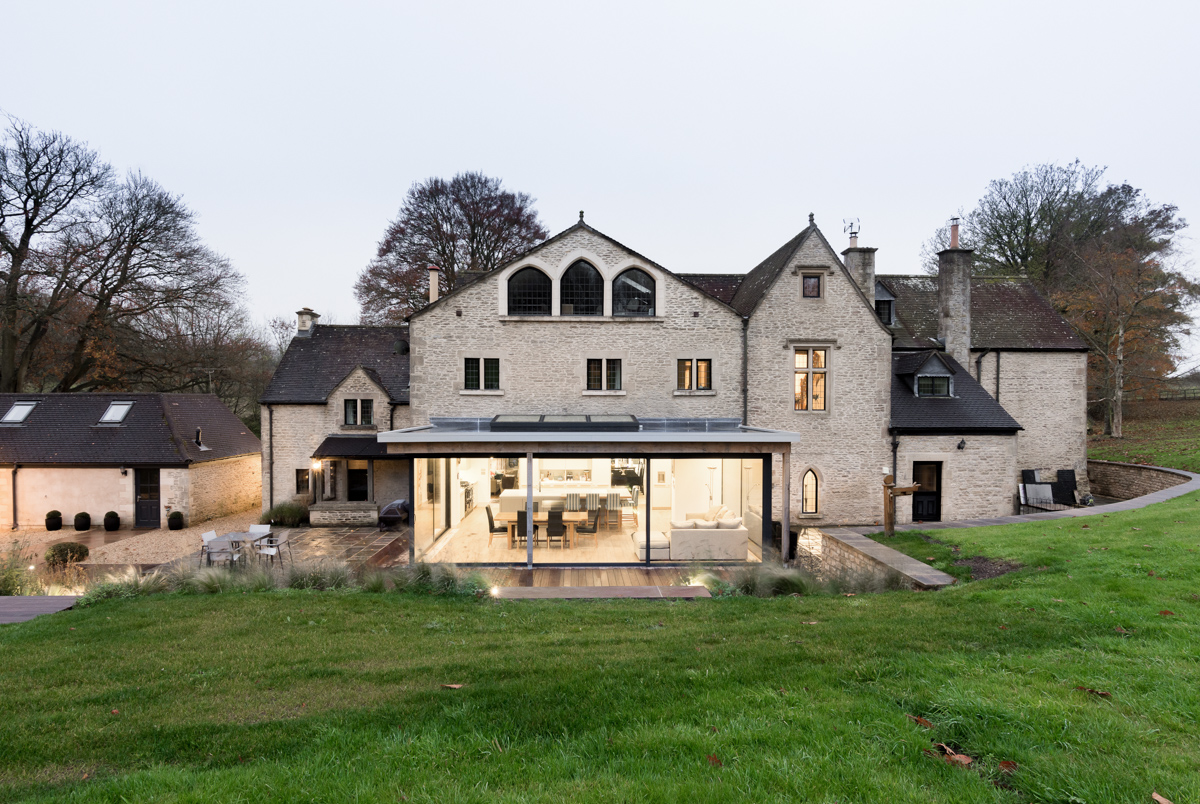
<point x="699" y="134"/>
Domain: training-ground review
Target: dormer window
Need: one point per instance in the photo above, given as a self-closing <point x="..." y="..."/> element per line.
<point x="116" y="413"/>
<point x="18" y="413"/>
<point x="883" y="309"/>
<point x="933" y="386"/>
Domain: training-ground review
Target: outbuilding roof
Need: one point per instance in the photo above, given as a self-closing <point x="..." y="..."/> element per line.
<point x="970" y="410"/>
<point x="314" y="365"/>
<point x="158" y="430"/>
<point x="720" y="286"/>
<point x="1005" y="314"/>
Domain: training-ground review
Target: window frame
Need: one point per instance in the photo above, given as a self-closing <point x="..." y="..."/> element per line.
<point x="807" y="506"/>
<point x="932" y="379"/>
<point x="565" y="287"/>
<point x="356" y="404"/>
<point x="891" y="311"/>
<point x="653" y="311"/>
<point x="26" y="405"/>
<point x="349" y="406"/>
<point x="602" y="382"/>
<point x="815" y="277"/>
<point x="529" y="270"/>
<point x="109" y="420"/>
<point x="810" y="372"/>
<point x="690" y="367"/>
<point x="305" y="472"/>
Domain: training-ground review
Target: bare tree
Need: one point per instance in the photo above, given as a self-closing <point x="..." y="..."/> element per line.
<point x="47" y="184"/>
<point x="468" y="224"/>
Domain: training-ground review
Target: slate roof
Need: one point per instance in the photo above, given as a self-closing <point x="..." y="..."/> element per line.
<point x="970" y="410"/>
<point x="720" y="286"/>
<point x="159" y="430"/>
<point x="313" y="366"/>
<point x="1005" y="314"/>
<point x="351" y="446"/>
<point x="760" y="279"/>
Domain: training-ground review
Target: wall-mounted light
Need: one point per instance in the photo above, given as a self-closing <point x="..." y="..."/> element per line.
<point x="316" y="466"/>
<point x="124" y="471"/>
<point x="962" y="444"/>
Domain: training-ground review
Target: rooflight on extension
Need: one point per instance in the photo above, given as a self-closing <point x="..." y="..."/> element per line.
<point x="18" y="413"/>
<point x="116" y="413"/>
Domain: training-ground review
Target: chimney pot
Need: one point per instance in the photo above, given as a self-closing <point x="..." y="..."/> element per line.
<point x="954" y="232"/>
<point x="433" y="283"/>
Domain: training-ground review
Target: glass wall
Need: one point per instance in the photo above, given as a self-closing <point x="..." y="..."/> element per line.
<point x="588" y="510"/>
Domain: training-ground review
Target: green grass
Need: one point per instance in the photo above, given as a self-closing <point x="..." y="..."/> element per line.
<point x="337" y="696"/>
<point x="1156" y="433"/>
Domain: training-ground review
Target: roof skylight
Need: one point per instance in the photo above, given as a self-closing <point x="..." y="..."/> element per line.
<point x="18" y="413"/>
<point x="116" y="413"/>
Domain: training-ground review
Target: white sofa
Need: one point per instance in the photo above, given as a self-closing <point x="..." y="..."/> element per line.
<point x="660" y="545"/>
<point x="709" y="544"/>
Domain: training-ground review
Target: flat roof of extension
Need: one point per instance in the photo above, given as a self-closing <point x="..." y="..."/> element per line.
<point x="727" y="432"/>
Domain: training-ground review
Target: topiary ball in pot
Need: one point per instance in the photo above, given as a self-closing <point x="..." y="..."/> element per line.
<point x="83" y="522"/>
<point x="59" y="555"/>
<point x="54" y="520"/>
<point x="112" y="521"/>
<point x="175" y="520"/>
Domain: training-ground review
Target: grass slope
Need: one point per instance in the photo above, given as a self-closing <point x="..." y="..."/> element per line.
<point x="1157" y="433"/>
<point x="338" y="697"/>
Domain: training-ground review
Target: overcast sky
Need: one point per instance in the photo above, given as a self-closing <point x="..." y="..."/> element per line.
<point x="701" y="135"/>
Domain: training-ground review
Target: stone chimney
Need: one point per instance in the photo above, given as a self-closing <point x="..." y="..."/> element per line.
<point x="954" y="298"/>
<point x="306" y="322"/>
<point x="860" y="262"/>
<point x="433" y="284"/>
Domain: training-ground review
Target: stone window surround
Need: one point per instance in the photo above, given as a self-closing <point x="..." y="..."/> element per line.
<point x="693" y="355"/>
<point x="608" y="273"/>
<point x="358" y="400"/>
<point x="799" y="512"/>
<point x="829" y="345"/>
<point x="460" y="379"/>
<point x="581" y="371"/>
<point x="823" y="271"/>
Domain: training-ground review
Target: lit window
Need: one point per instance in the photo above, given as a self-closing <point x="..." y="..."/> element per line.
<point x="19" y="412"/>
<point x="694" y="375"/>
<point x="810" y="369"/>
<point x="302" y="481"/>
<point x="603" y="374"/>
<point x="933" y="386"/>
<point x="811" y="287"/>
<point x="116" y="413"/>
<point x="808" y="492"/>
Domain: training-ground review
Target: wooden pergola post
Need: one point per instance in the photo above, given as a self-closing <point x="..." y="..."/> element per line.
<point x="890" y="492"/>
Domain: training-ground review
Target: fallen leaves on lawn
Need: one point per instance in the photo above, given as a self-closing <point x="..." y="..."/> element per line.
<point x="1091" y="691"/>
<point x="809" y="622"/>
<point x="1086" y="527"/>
<point x="1157" y="799"/>
<point x="1008" y="767"/>
<point x="1140" y="529"/>
<point x="952" y="757"/>
<point x="452" y="686"/>
<point x="920" y="721"/>
<point x="1121" y="630"/>
<point x="715" y="762"/>
<point x="1166" y="613"/>
<point x="849" y="594"/>
<point x="116" y="712"/>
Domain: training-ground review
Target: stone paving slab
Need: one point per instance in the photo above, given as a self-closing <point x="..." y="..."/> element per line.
<point x="922" y="574"/>
<point x="21" y="609"/>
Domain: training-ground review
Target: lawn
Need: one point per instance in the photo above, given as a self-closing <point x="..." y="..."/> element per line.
<point x="339" y="696"/>
<point x="1158" y="433"/>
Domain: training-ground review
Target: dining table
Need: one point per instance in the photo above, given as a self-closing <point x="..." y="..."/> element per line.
<point x="570" y="518"/>
<point x="236" y="541"/>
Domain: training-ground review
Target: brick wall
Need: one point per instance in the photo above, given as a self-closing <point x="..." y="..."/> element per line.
<point x="224" y="487"/>
<point x="846" y="445"/>
<point x="1046" y="392"/>
<point x="1124" y="481"/>
<point x="977" y="481"/>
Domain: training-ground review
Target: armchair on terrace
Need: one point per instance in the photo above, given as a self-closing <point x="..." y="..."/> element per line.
<point x="205" y="538"/>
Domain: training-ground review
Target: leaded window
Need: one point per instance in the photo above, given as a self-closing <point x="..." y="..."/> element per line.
<point x="633" y="293"/>
<point x="613" y="375"/>
<point x="366" y="411"/>
<point x="933" y="386"/>
<point x="529" y="293"/>
<point x="810" y="369"/>
<point x="811" y="286"/>
<point x="703" y="375"/>
<point x="683" y="375"/>
<point x="471" y="374"/>
<point x="490" y="375"/>
<point x="883" y="309"/>
<point x="693" y="375"/>
<point x="350" y="409"/>
<point x="603" y="374"/>
<point x="581" y="290"/>
<point x="595" y="374"/>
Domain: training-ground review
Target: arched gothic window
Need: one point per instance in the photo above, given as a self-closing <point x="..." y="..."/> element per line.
<point x="808" y="487"/>
<point x="529" y="293"/>
<point x="633" y="293"/>
<point x="581" y="290"/>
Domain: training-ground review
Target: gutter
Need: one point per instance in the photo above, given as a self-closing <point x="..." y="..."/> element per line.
<point x="895" y="447"/>
<point x="979" y="365"/>
<point x="271" y="458"/>
<point x="745" y="370"/>
<point x="16" y="466"/>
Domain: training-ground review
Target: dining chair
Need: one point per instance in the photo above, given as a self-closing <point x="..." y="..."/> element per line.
<point x="572" y="500"/>
<point x="494" y="529"/>
<point x="588" y="530"/>
<point x="221" y="550"/>
<point x="593" y="500"/>
<point x="555" y="529"/>
<point x="523" y="528"/>
<point x="629" y="508"/>
<point x="613" y="508"/>
<point x="205" y="538"/>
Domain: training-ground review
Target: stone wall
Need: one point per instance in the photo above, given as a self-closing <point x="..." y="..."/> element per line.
<point x="344" y="514"/>
<point x="1046" y="392"/>
<point x="845" y="445"/>
<point x="543" y="359"/>
<point x="1124" y="481"/>
<point x="224" y="487"/>
<point x="977" y="481"/>
<point x="69" y="490"/>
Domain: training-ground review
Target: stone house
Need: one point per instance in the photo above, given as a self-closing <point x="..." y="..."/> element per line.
<point x="140" y="455"/>
<point x="858" y="376"/>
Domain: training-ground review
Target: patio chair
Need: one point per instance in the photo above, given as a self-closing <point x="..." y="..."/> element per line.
<point x="221" y="550"/>
<point x="205" y="538"/>
<point x="273" y="546"/>
<point x="589" y="529"/>
<point x="555" y="529"/>
<point x="494" y="530"/>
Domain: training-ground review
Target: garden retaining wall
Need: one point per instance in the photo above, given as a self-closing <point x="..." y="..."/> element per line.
<point x="1124" y="481"/>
